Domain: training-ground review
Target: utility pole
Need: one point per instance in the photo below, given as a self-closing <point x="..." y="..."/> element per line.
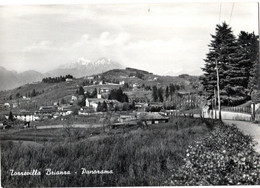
<point x="215" y="102"/>
<point x="258" y="44"/>
<point x="219" y="107"/>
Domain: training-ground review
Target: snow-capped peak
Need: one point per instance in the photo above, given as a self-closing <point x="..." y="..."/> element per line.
<point x="103" y="61"/>
<point x="83" y="62"/>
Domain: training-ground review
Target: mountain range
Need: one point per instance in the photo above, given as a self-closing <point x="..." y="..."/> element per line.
<point x="79" y="68"/>
<point x="83" y="67"/>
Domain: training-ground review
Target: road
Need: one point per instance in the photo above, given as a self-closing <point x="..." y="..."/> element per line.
<point x="248" y="128"/>
<point x="72" y="126"/>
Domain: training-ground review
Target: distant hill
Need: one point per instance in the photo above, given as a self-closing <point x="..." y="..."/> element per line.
<point x="83" y="67"/>
<point x="11" y="79"/>
<point x="131" y="75"/>
<point x="55" y="92"/>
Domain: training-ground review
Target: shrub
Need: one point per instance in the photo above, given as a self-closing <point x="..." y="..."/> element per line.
<point x="225" y="157"/>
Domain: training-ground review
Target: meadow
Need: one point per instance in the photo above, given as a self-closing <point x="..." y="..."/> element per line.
<point x="137" y="157"/>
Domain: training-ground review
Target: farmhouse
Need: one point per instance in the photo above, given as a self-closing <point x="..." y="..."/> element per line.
<point x="69" y="79"/>
<point x="24" y="115"/>
<point x="122" y="82"/>
<point x="65" y="110"/>
<point x="86" y="111"/>
<point x="152" y="118"/>
<point x="93" y="102"/>
<point x="126" y="118"/>
<point x="156" y="104"/>
<point x="46" y="110"/>
<point x="90" y="77"/>
<point x="73" y="98"/>
<point x="141" y="106"/>
<point x="7" y="105"/>
<point x="104" y="90"/>
<point x="136" y="85"/>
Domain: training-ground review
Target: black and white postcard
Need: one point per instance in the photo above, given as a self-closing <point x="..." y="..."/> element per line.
<point x="129" y="94"/>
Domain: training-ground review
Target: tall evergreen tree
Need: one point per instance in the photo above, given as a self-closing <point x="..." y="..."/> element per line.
<point x="240" y="69"/>
<point x="11" y="116"/>
<point x="252" y="45"/>
<point x="167" y="93"/>
<point x="160" y="94"/>
<point x="172" y="90"/>
<point x="81" y="91"/>
<point x="154" y="93"/>
<point x="221" y="48"/>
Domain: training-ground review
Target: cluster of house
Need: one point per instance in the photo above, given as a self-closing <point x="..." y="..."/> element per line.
<point x="44" y="112"/>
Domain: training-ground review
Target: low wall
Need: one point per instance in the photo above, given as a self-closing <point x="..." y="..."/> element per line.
<point x="228" y="115"/>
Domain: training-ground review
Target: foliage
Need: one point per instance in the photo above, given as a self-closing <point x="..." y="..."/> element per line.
<point x="155" y="93"/>
<point x="102" y="107"/>
<point x="81" y="91"/>
<point x="57" y="79"/>
<point x="117" y="94"/>
<point x="11" y="116"/>
<point x="256" y="96"/>
<point x="236" y="60"/>
<point x="220" y="49"/>
<point x="225" y="157"/>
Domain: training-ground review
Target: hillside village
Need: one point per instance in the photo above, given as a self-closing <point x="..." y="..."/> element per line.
<point x="128" y="92"/>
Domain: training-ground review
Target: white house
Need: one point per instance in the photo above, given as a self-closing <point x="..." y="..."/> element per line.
<point x="136" y="85"/>
<point x="122" y="82"/>
<point x="69" y="79"/>
<point x="7" y="105"/>
<point x="74" y="98"/>
<point x="99" y="96"/>
<point x="93" y="102"/>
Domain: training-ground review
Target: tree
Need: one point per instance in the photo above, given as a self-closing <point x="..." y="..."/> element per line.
<point x="18" y="95"/>
<point x="99" y="107"/>
<point x="160" y="94"/>
<point x="11" y="116"/>
<point x="63" y="101"/>
<point x="240" y="69"/>
<point x="104" y="106"/>
<point x="221" y="49"/>
<point x="81" y="91"/>
<point x="172" y="90"/>
<point x="251" y="43"/>
<point x="167" y="92"/>
<point x="33" y="94"/>
<point x="154" y="93"/>
<point x="94" y="93"/>
<point x="117" y="94"/>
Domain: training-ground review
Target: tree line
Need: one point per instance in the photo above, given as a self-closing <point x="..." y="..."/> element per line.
<point x="57" y="79"/>
<point x="236" y="59"/>
<point x="160" y="94"/>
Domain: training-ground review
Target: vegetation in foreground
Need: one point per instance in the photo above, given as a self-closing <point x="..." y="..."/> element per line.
<point x="136" y="156"/>
<point x="185" y="151"/>
<point x="225" y="157"/>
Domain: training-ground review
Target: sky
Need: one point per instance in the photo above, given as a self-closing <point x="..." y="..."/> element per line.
<point x="165" y="39"/>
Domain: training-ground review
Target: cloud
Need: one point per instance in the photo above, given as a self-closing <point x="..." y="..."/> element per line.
<point x="169" y="37"/>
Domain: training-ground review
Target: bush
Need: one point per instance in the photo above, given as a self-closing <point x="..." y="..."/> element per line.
<point x="226" y="157"/>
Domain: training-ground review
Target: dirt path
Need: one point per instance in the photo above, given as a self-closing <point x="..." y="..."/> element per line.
<point x="248" y="128"/>
<point x="72" y="126"/>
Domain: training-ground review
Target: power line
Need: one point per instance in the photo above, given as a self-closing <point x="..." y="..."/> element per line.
<point x="231" y="13"/>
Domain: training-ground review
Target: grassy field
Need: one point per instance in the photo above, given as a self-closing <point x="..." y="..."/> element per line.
<point x="136" y="156"/>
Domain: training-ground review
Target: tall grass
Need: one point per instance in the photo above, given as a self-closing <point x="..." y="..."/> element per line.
<point x="136" y="156"/>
